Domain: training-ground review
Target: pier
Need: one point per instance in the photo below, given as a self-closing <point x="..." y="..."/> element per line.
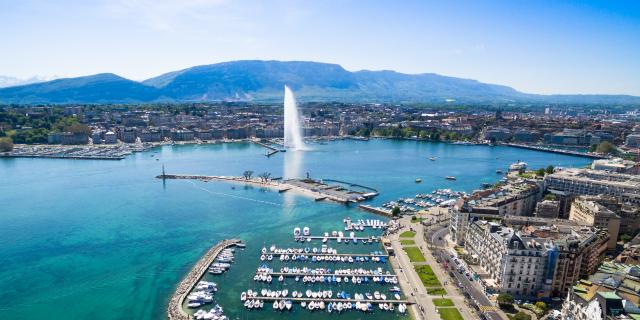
<point x="332" y="300"/>
<point x="554" y="150"/>
<point x="270" y="149"/>
<point x="175" y="310"/>
<point x="376" y="210"/>
<point x="315" y="189"/>
<point x="345" y="239"/>
<point x="302" y="274"/>
<point x="328" y="254"/>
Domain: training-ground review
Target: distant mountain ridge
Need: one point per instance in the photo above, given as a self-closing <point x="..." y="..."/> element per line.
<point x="258" y="80"/>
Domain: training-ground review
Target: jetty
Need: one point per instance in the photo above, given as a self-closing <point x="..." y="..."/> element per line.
<point x="270" y="149"/>
<point x="313" y="188"/>
<point x="555" y="150"/>
<point x="376" y="210"/>
<point x="345" y="239"/>
<point x="175" y="310"/>
<point x="329" y="254"/>
<point x="332" y="300"/>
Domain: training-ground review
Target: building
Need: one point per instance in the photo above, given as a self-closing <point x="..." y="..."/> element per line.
<point x="547" y="209"/>
<point x="517" y="198"/>
<point x="110" y="137"/>
<point x="497" y="134"/>
<point x="575" y="182"/>
<point x="633" y="140"/>
<point x="534" y="261"/>
<point x="587" y="211"/>
<point x="67" y="138"/>
<point x="610" y="293"/>
<point x="616" y="165"/>
<point x="182" y="135"/>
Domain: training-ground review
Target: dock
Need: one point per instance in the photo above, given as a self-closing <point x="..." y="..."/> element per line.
<point x="376" y="210"/>
<point x="329" y="254"/>
<point x="332" y="300"/>
<point x="175" y="310"/>
<point x="345" y="239"/>
<point x="302" y="274"/>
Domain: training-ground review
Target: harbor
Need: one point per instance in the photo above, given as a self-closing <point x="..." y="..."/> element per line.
<point x="294" y="282"/>
<point x="556" y="150"/>
<point x="175" y="310"/>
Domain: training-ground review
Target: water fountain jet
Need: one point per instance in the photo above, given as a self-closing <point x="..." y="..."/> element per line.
<point x="292" y="129"/>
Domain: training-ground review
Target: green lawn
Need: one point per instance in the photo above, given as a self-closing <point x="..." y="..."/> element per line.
<point x="414" y="254"/>
<point x="407" y="242"/>
<point x="427" y="276"/>
<point x="408" y="234"/>
<point x="450" y="314"/>
<point x="443" y="302"/>
<point x="436" y="291"/>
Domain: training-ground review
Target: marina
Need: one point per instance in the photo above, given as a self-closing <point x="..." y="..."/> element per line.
<point x="183" y="292"/>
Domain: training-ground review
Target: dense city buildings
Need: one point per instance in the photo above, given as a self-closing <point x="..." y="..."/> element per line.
<point x="610" y="293"/>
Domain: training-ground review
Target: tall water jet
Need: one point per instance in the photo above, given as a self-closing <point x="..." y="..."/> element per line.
<point x="292" y="130"/>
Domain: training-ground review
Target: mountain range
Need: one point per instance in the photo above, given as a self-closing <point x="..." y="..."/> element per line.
<point x="263" y="81"/>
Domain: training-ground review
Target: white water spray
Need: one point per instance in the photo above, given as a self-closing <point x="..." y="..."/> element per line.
<point x="292" y="129"/>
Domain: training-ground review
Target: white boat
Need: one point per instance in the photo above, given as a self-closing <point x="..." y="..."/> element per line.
<point x="305" y="231"/>
<point x="288" y="304"/>
<point x="194" y="304"/>
<point x="296" y="232"/>
<point x="243" y="296"/>
<point x="402" y="308"/>
<point x="376" y="295"/>
<point x="303" y="304"/>
<point x="397" y="296"/>
<point x="275" y="305"/>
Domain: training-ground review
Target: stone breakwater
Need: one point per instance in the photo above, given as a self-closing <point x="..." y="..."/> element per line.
<point x="175" y="310"/>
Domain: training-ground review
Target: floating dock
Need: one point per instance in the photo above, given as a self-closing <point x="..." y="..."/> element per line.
<point x="328" y="254"/>
<point x="175" y="310"/>
<point x="376" y="210"/>
<point x="332" y="300"/>
<point x="344" y="239"/>
<point x="302" y="274"/>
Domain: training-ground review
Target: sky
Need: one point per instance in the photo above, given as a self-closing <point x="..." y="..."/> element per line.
<point x="533" y="46"/>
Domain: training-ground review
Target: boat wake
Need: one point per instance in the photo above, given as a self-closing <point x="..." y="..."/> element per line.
<point x="234" y="196"/>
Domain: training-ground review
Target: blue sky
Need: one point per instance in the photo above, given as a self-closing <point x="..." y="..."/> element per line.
<point x="533" y="46"/>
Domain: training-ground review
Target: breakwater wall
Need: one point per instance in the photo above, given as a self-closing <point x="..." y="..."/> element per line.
<point x="175" y="310"/>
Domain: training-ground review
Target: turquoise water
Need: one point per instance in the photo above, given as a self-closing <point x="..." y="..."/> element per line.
<point x="106" y="240"/>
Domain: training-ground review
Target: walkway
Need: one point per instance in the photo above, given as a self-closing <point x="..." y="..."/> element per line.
<point x="426" y="309"/>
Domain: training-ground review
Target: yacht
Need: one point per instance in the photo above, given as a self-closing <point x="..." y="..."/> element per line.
<point x="450" y="178"/>
<point x="305" y="231"/>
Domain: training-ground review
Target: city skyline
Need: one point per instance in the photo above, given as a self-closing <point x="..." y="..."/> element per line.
<point x="547" y="47"/>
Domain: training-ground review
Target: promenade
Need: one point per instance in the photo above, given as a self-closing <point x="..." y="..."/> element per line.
<point x="412" y="285"/>
<point x="175" y="310"/>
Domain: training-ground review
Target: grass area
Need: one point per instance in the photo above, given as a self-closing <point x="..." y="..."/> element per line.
<point x="443" y="302"/>
<point x="436" y="291"/>
<point x="427" y="276"/>
<point x="407" y="242"/>
<point x="408" y="234"/>
<point x="414" y="253"/>
<point x="450" y="314"/>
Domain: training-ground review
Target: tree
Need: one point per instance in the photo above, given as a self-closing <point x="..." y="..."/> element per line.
<point x="6" y="144"/>
<point x="623" y="237"/>
<point x="550" y="169"/>
<point x="541" y="305"/>
<point x="395" y="211"/>
<point x="606" y="147"/>
<point x="247" y="174"/>
<point x="540" y="172"/>
<point x="505" y="300"/>
<point x="550" y="196"/>
<point x="264" y="177"/>
<point x="521" y="316"/>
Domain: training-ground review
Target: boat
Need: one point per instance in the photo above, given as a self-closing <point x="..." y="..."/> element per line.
<point x="288" y="304"/>
<point x="402" y="308"/>
<point x="243" y="296"/>
<point x="194" y="305"/>
<point x="418" y="180"/>
<point x="305" y="231"/>
<point x="450" y="178"/>
<point x="296" y="232"/>
<point x="432" y="158"/>
<point x="397" y="296"/>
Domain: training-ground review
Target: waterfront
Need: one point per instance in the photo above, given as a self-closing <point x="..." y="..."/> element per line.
<point x="107" y="240"/>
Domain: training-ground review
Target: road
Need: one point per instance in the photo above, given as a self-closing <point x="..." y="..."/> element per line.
<point x="436" y="236"/>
